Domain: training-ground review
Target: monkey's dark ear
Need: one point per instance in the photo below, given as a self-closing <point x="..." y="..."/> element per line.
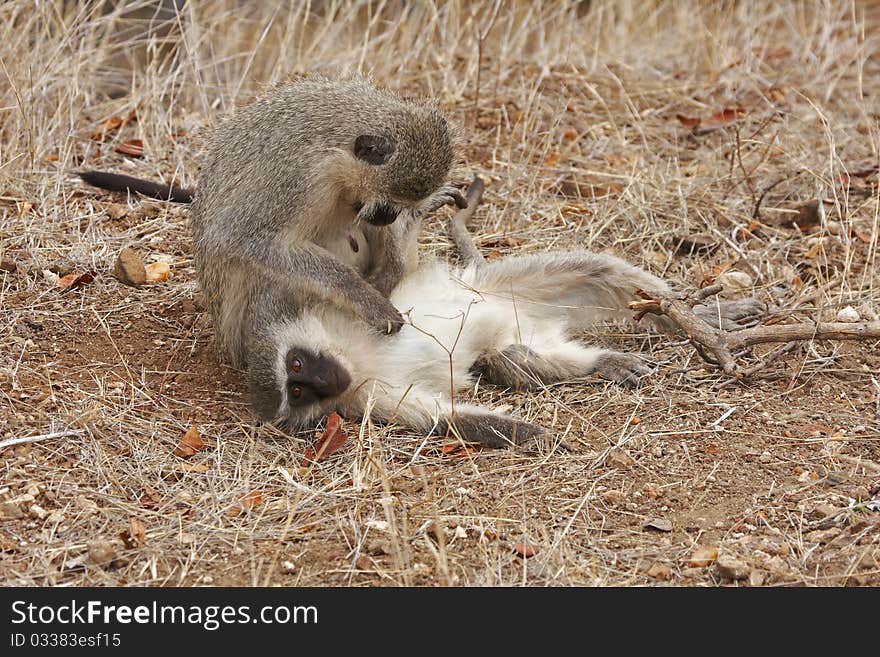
<point x="372" y="149"/>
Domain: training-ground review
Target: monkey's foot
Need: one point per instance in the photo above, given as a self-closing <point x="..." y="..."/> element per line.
<point x="492" y="430"/>
<point x="731" y="315"/>
<point x="625" y="369"/>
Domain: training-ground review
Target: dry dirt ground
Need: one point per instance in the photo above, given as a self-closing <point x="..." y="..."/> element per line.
<point x="582" y="118"/>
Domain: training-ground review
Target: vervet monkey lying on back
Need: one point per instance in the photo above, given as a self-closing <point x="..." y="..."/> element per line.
<point x="509" y="322"/>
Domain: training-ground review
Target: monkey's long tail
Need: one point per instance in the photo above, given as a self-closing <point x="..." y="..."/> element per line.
<point x="116" y="182"/>
<point x="458" y="230"/>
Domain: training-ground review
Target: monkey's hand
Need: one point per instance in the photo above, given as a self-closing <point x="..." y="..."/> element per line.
<point x="449" y="194"/>
<point x="381" y="314"/>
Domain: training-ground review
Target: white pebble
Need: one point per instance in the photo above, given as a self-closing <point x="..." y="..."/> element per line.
<point x="848" y="314"/>
<point x="734" y="281"/>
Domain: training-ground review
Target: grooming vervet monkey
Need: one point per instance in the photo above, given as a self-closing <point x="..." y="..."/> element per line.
<point x="509" y="322"/>
<point x="300" y="194"/>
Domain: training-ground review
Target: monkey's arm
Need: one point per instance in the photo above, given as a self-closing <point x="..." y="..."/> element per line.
<point x="116" y="182"/>
<point x="312" y="270"/>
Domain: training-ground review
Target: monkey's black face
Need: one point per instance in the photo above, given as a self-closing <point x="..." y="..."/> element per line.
<point x="312" y="378"/>
<point x="380" y="214"/>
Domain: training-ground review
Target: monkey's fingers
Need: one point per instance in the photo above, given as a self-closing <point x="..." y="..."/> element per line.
<point x="459" y="199"/>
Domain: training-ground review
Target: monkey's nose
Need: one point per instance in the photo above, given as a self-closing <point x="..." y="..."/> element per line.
<point x="343" y="380"/>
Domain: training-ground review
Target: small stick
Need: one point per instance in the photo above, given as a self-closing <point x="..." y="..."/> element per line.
<point x="722" y="344"/>
<point x="32" y="439"/>
<point x="458" y="230"/>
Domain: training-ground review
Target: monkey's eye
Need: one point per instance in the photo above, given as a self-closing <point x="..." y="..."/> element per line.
<point x="296" y="392"/>
<point x="373" y="149"/>
<point x="296" y="365"/>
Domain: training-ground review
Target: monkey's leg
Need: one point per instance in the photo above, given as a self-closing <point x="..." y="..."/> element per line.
<point x="522" y="368"/>
<point x="582" y="287"/>
<point x="478" y="425"/>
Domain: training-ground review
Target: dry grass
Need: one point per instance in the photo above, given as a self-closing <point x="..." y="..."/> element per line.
<point x="545" y="94"/>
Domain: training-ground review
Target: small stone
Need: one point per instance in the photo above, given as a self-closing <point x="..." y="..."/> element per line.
<point x="765" y="457"/>
<point x="7" y="265"/>
<point x="703" y="556"/>
<point x="732" y="568"/>
<point x="10" y="511"/>
<point x="378" y="548"/>
<point x="756" y="578"/>
<point x="733" y="282"/>
<point x="848" y="314"/>
<point x="62" y="267"/>
<point x="660" y="571"/>
<point x="207" y="579"/>
<point x="102" y="552"/>
<point x="38" y="512"/>
<point x="617" y="458"/>
<point x="614" y="497"/>
<point x="288" y="566"/>
<point x="129" y="268"/>
<point x="658" y="524"/>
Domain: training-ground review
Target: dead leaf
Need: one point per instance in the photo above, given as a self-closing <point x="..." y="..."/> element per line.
<point x="133" y="147"/>
<point x="75" y="280"/>
<point x="777" y="95"/>
<point x="51" y="157"/>
<point x="570" y="135"/>
<point x="137" y="531"/>
<point x="106" y="127"/>
<point x="493" y="255"/>
<point x="659" y="571"/>
<point x="157" y="272"/>
<point x="551" y="160"/>
<point x="330" y="441"/>
<point x="525" y="550"/>
<point x="503" y="241"/>
<point x="245" y="503"/>
<point x="190" y="443"/>
<point x="815" y="429"/>
<point x="864" y="237"/>
<point x="699" y="126"/>
<point x="134" y="536"/>
<point x="749" y="231"/>
<point x="688" y="122"/>
<point x="703" y="556"/>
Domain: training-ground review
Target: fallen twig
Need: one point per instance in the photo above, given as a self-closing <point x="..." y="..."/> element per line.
<point x="723" y="344"/>
<point x="33" y="439"/>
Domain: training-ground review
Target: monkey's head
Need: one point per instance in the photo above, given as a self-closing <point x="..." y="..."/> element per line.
<point x="301" y="385"/>
<point x="405" y="159"/>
